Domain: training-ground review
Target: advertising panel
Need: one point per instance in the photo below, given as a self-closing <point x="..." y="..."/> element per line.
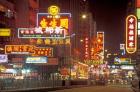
<point x="122" y="46"/>
<point x="138" y="32"/>
<point x="50" y="61"/>
<point x="138" y="28"/>
<point x="56" y="26"/>
<point x="138" y="13"/>
<point x="122" y="60"/>
<point x="19" y="49"/>
<point x="43" y="51"/>
<point x="100" y="44"/>
<point x="127" y="67"/>
<point x="17" y="60"/>
<point x="87" y="48"/>
<point x="51" y="42"/>
<point x="40" y="33"/>
<point x="5" y="32"/>
<point x="3" y="58"/>
<point x="36" y="60"/>
<point x="138" y="3"/>
<point x="131" y="34"/>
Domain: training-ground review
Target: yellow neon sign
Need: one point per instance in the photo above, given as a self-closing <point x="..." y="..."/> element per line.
<point x="5" y="32"/>
<point x="53" y="10"/>
<point x="43" y="23"/>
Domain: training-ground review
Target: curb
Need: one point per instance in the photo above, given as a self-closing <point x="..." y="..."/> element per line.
<point x="135" y="89"/>
<point x="44" y="89"/>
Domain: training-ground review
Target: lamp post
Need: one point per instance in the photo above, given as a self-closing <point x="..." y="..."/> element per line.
<point x="71" y="36"/>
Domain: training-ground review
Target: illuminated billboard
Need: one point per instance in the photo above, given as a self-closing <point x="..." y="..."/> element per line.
<point x="43" y="51"/>
<point x="5" y="32"/>
<point x="122" y="61"/>
<point x="87" y="48"/>
<point x="131" y="34"/>
<point x="138" y="13"/>
<point x="138" y="28"/>
<point x="3" y="58"/>
<point x="50" y="61"/>
<point x="40" y="33"/>
<point x="100" y="44"/>
<point x="122" y="46"/>
<point x="127" y="67"/>
<point x="57" y="25"/>
<point x="19" y="49"/>
<point x="36" y="60"/>
<point x="138" y="32"/>
<point x="138" y="3"/>
<point x="51" y="42"/>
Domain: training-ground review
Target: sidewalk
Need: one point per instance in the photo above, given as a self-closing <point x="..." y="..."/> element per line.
<point x="136" y="89"/>
<point x="44" y="89"/>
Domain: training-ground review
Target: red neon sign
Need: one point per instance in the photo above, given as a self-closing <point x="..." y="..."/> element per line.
<point x="138" y="3"/>
<point x="86" y="48"/>
<point x="131" y="34"/>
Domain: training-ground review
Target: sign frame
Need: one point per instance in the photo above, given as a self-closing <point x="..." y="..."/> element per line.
<point x="132" y="49"/>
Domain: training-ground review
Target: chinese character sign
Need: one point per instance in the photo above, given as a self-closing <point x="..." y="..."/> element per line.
<point x="131" y="34"/>
<point x="100" y="44"/>
<point x="43" y="51"/>
<point x="54" y="25"/>
<point x="39" y="32"/>
<point x="86" y="48"/>
<point x="19" y="49"/>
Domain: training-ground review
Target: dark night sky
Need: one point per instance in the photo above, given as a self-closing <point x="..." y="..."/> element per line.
<point x="110" y="17"/>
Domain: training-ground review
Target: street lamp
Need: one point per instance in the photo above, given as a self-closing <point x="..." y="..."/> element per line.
<point x="81" y="40"/>
<point x="84" y="16"/>
<point x="71" y="36"/>
<point x="1" y="48"/>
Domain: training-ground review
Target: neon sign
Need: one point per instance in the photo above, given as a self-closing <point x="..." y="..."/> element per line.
<point x="40" y="33"/>
<point x="29" y="49"/>
<point x="19" y="49"/>
<point x="3" y="58"/>
<point x="53" y="10"/>
<point x="54" y="24"/>
<point x="131" y="34"/>
<point x="43" y="51"/>
<point x="53" y="41"/>
<point x="36" y="60"/>
<point x="86" y="48"/>
<point x="5" y="32"/>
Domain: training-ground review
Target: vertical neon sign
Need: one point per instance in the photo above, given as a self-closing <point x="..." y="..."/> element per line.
<point x="131" y="34"/>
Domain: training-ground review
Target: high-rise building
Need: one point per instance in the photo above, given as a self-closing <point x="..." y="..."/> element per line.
<point x="137" y="13"/>
<point x="7" y="20"/>
<point x="26" y="11"/>
<point x="17" y="14"/>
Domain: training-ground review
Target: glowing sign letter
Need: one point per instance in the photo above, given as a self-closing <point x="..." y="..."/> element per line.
<point x="43" y="23"/>
<point x="131" y="34"/>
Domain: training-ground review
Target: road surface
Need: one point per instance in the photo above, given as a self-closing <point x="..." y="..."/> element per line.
<point x="98" y="89"/>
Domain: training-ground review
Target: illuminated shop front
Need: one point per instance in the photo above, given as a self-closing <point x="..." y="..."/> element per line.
<point x="123" y="69"/>
<point x="79" y="71"/>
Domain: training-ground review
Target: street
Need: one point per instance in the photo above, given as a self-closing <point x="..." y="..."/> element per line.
<point x="70" y="45"/>
<point x="98" y="89"/>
